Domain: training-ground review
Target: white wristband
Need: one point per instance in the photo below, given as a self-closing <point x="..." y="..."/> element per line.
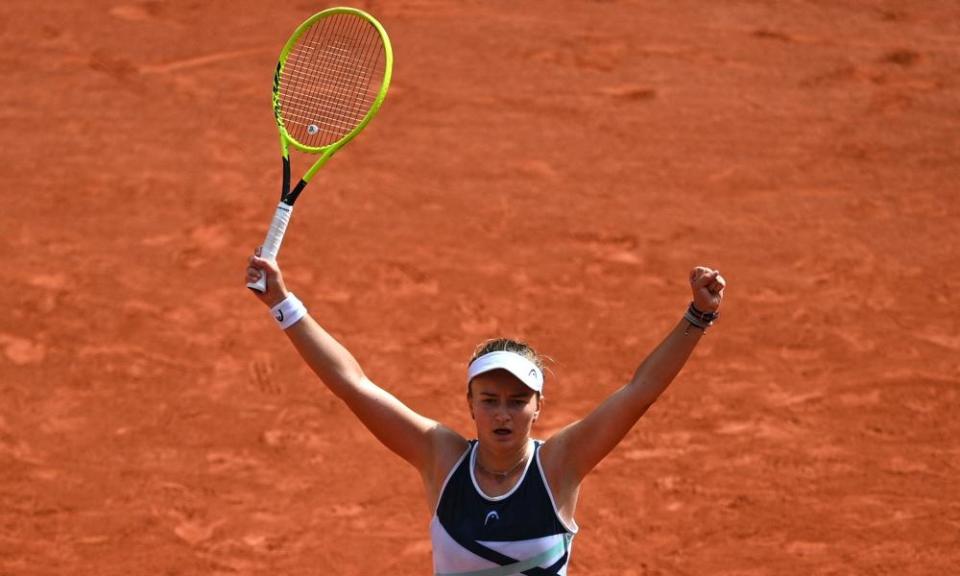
<point x="289" y="312"/>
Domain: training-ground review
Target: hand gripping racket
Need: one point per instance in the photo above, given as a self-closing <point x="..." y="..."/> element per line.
<point x="332" y="76"/>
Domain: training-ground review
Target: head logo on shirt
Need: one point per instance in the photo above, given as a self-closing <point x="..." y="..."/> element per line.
<point x="491" y="515"/>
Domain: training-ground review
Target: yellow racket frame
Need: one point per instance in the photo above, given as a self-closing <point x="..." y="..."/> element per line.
<point x="326" y="152"/>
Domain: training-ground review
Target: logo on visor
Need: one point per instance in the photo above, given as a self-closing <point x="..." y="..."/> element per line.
<point x="533" y="374"/>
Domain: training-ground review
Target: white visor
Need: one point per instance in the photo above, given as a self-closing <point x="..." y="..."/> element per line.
<point x="525" y="370"/>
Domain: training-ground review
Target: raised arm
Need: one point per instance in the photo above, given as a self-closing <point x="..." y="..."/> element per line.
<point x="420" y="441"/>
<point x="578" y="448"/>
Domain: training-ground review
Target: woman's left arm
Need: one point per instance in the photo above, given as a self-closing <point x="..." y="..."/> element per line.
<point x="579" y="447"/>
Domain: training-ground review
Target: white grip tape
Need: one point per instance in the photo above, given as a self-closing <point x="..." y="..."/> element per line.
<point x="281" y="218"/>
<point x="271" y="246"/>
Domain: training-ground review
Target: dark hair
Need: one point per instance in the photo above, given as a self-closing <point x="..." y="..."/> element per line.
<point x="506" y="345"/>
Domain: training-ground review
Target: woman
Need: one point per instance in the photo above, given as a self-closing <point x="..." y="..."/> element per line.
<point x="503" y="503"/>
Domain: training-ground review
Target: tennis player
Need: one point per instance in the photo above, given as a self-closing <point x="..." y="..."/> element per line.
<point x="503" y="502"/>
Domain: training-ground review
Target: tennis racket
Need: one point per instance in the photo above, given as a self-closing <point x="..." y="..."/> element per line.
<point x="331" y="79"/>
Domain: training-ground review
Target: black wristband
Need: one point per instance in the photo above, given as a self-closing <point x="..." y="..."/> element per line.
<point x="701" y="320"/>
<point x="708" y="317"/>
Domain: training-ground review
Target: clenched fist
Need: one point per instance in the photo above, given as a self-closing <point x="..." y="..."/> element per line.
<point x="707" y="285"/>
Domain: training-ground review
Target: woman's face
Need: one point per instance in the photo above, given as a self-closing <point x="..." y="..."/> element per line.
<point x="503" y="408"/>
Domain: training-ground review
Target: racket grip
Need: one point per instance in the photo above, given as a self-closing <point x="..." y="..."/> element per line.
<point x="271" y="246"/>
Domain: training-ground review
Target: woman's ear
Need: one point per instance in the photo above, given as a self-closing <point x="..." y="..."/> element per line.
<point x="470" y="405"/>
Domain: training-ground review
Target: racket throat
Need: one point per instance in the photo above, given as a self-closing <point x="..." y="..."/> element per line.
<point x="288" y="196"/>
<point x="285" y="190"/>
<point x="292" y="197"/>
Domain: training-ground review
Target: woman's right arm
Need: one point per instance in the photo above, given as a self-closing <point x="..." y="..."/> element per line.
<point x="424" y="443"/>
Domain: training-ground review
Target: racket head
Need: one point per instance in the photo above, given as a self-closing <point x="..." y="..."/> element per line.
<point x="331" y="78"/>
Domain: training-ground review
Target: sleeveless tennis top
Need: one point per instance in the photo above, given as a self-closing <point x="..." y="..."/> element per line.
<point x="519" y="532"/>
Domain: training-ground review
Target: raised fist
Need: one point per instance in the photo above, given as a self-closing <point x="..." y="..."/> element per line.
<point x="707" y="285"/>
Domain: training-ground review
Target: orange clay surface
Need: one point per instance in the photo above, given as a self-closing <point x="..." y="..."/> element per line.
<point x="549" y="171"/>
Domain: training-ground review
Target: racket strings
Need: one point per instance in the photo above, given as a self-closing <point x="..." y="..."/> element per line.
<point x="325" y="86"/>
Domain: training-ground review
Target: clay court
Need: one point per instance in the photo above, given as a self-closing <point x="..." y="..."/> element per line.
<point x="548" y="171"/>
